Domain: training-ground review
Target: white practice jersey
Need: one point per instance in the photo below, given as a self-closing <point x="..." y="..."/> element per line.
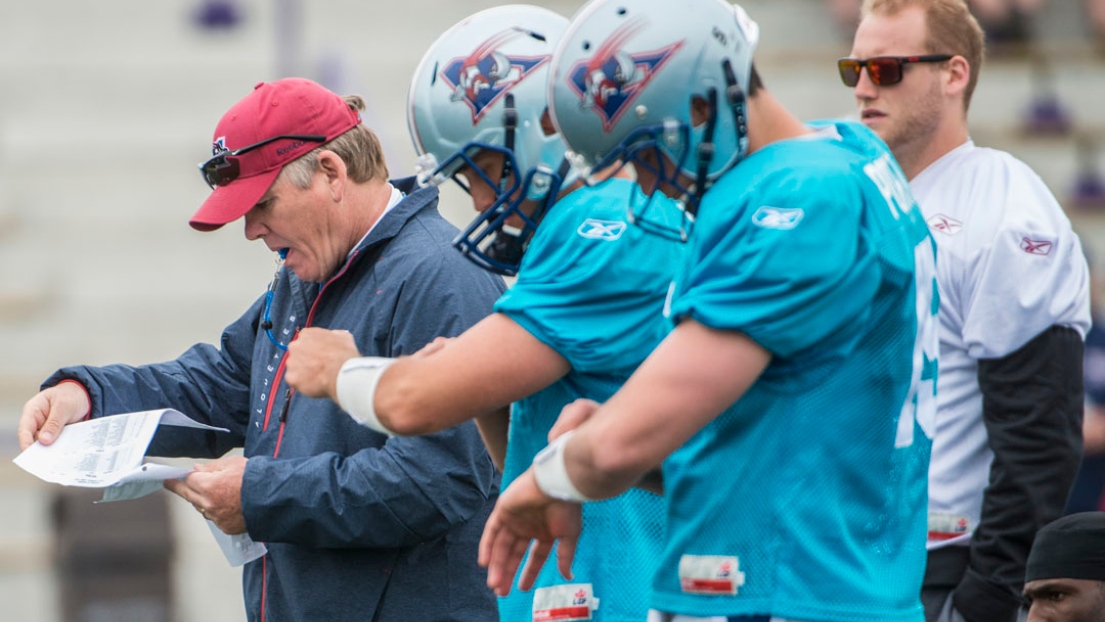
<point x="1009" y="266"/>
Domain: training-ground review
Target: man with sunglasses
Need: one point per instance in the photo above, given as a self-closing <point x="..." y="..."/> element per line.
<point x="789" y="404"/>
<point x="1014" y="308"/>
<point x="358" y="526"/>
<point x="584" y="311"/>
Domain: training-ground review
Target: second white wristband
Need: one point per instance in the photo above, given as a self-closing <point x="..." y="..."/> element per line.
<point x="551" y="472"/>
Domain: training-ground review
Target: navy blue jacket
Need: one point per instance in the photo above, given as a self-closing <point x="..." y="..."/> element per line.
<point x="358" y="526"/>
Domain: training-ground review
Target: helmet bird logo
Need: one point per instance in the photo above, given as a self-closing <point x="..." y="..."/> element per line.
<point x="485" y="75"/>
<point x="610" y="80"/>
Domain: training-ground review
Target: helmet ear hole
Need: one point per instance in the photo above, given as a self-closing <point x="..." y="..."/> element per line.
<point x="546" y="123"/>
<point x="700" y="111"/>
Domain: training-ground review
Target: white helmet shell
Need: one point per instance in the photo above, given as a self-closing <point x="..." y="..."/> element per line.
<point x="625" y="65"/>
<point x="458" y="93"/>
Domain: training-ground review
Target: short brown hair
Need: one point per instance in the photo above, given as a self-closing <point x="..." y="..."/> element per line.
<point x="359" y="148"/>
<point x="951" y="30"/>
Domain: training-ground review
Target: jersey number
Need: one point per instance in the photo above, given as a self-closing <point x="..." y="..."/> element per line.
<point x="920" y="402"/>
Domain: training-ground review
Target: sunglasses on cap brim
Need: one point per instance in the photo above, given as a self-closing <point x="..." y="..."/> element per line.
<point x="223" y="167"/>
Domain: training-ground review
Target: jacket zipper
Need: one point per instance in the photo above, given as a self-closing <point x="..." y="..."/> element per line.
<point x="277" y="378"/>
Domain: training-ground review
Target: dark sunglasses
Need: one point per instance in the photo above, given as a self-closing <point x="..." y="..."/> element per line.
<point x="223" y="167"/>
<point x="883" y="70"/>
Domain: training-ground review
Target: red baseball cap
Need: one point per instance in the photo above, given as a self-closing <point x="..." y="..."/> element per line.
<point x="289" y="107"/>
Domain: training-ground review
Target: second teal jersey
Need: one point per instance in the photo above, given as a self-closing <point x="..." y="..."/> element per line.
<point x="593" y="288"/>
<point x="806" y="499"/>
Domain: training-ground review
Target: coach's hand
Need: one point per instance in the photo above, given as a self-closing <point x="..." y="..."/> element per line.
<point x="435" y="346"/>
<point x="215" y="490"/>
<point x="524" y="513"/>
<point x="45" y="414"/>
<point x="315" y="358"/>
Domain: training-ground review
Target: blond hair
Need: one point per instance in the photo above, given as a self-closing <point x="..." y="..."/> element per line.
<point x="359" y="148"/>
<point x="951" y="29"/>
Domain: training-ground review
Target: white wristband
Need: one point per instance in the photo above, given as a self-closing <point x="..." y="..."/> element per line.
<point x="551" y="472"/>
<point x="357" y="382"/>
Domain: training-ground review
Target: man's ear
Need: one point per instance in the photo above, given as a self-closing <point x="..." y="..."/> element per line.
<point x="959" y="75"/>
<point x="334" y="171"/>
<point x="700" y="110"/>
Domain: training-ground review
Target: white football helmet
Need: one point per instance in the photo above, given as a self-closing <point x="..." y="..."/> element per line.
<point x="623" y="80"/>
<point x="482" y="87"/>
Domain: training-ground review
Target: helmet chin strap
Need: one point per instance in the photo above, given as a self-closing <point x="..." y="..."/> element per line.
<point x="705" y="153"/>
<point x="510" y="124"/>
<point x="505" y="248"/>
<point x="734" y="95"/>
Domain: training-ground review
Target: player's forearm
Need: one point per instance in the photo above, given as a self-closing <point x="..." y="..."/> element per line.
<point x="691" y="378"/>
<point x="490" y="365"/>
<point x="413" y="398"/>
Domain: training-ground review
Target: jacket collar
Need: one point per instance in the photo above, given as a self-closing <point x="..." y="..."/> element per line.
<point x="416" y="200"/>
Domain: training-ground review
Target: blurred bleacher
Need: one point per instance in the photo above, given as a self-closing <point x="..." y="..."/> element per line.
<point x="107" y="106"/>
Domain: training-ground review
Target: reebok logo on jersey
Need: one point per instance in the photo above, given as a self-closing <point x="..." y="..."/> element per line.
<point x="595" y="229"/>
<point x="1036" y="247"/>
<point x="778" y="217"/>
<point x="945" y="224"/>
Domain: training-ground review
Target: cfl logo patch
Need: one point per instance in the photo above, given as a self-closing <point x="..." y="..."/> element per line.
<point x="710" y="574"/>
<point x="595" y="229"/>
<point x="570" y="602"/>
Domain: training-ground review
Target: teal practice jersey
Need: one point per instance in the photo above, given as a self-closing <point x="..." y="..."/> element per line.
<point x="592" y="287"/>
<point x="806" y="499"/>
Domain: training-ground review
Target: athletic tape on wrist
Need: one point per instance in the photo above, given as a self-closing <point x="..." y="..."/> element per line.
<point x="357" y="382"/>
<point x="551" y="472"/>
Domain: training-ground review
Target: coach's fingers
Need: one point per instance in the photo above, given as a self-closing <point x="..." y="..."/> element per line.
<point x="30" y="422"/>
<point x="180" y="488"/>
<point x="47" y="413"/>
<point x="434" y="346"/>
<point x="487" y="540"/>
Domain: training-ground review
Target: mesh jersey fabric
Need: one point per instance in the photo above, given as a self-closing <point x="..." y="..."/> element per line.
<point x="593" y="287"/>
<point x="811" y="487"/>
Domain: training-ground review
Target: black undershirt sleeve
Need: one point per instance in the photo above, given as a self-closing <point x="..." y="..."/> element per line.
<point x="1032" y="409"/>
